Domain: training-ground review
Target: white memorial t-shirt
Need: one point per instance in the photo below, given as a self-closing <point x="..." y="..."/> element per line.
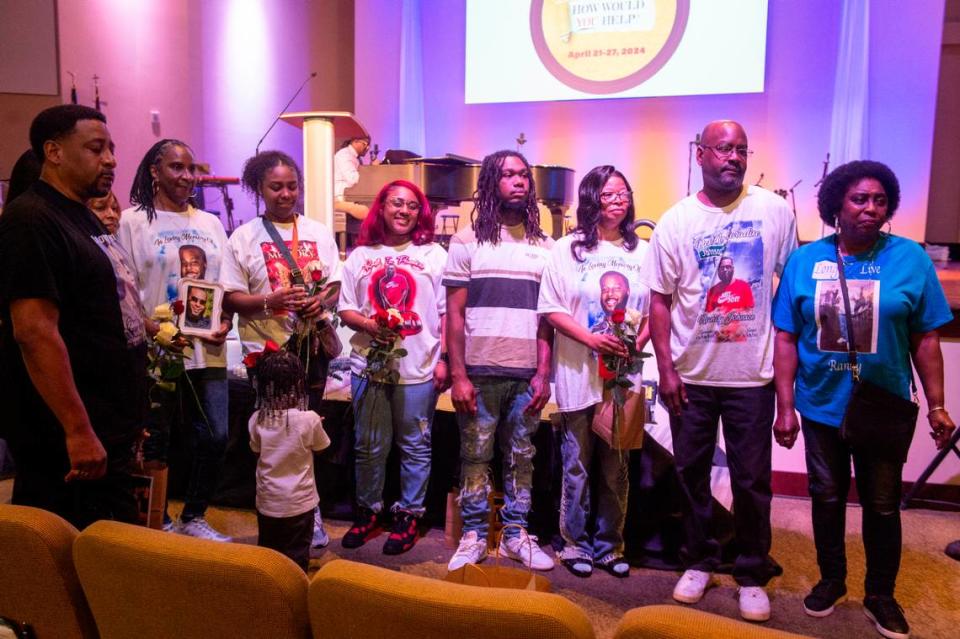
<point x="173" y="246"/>
<point x="256" y="266"/>
<point x="731" y="344"/>
<point x="406" y="278"/>
<point x="590" y="291"/>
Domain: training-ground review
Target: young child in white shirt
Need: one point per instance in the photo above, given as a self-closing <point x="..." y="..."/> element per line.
<point x="285" y="435"/>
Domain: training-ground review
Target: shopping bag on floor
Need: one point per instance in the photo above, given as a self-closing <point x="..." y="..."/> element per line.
<point x="499" y="576"/>
<point x="622" y="428"/>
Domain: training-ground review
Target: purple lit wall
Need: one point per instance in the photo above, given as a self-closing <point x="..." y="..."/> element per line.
<point x="788" y="124"/>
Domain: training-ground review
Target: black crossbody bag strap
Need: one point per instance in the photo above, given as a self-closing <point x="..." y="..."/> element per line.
<point x="295" y="273"/>
<point x="848" y="317"/>
<point x="851" y="342"/>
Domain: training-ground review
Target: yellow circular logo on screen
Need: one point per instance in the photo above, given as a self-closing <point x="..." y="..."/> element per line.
<point x="606" y="46"/>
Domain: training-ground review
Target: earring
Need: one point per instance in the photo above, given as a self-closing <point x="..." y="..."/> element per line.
<point x="155" y="185"/>
<point x="836" y="223"/>
<point x="889" y="227"/>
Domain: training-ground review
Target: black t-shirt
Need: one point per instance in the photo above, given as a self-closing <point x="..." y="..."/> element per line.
<point x="54" y="248"/>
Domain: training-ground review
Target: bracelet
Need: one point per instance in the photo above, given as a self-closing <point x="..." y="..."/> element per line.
<point x="266" y="309"/>
<point x="935" y="409"/>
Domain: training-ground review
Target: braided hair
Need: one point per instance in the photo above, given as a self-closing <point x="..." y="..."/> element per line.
<point x="485" y="217"/>
<point x="142" y="191"/>
<point x="588" y="212"/>
<point x="281" y="384"/>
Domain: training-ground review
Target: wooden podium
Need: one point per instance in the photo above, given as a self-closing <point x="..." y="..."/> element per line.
<point x="320" y="131"/>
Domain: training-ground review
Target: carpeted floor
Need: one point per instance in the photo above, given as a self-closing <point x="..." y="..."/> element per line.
<point x="928" y="587"/>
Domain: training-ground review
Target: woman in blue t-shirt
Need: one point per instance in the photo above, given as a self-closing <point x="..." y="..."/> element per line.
<point x="896" y="306"/>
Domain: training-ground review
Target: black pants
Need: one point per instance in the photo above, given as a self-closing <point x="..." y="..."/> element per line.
<point x="747" y="417"/>
<point x="290" y="535"/>
<point x="39" y="483"/>
<point x="878" y="486"/>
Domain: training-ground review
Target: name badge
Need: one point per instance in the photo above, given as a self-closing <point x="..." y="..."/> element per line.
<point x="825" y="270"/>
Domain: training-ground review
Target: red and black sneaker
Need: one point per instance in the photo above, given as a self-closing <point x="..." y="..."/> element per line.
<point x="365" y="527"/>
<point x="403" y="534"/>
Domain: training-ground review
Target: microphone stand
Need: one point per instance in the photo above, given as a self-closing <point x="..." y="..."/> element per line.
<point x="690" y="146"/>
<point x="277" y="119"/>
<point x="823" y="176"/>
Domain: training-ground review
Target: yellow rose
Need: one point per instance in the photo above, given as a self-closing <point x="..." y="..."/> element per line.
<point x="634" y="318"/>
<point x="162" y="313"/>
<point x="392" y="312"/>
<point x="168" y="331"/>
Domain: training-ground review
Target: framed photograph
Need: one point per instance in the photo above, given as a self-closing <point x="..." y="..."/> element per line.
<point x="202" y="301"/>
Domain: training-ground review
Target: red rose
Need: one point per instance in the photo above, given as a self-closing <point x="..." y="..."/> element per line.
<point x="316" y="275"/>
<point x="177" y="307"/>
<point x="250" y="361"/>
<point x="271" y="347"/>
<point x="618" y="316"/>
<point x="393" y="321"/>
<point x="604" y="372"/>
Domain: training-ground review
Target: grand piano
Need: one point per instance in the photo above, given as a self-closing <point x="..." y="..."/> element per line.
<point x="449" y="181"/>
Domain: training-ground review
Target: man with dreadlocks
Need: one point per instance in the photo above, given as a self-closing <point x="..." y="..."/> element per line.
<point x="499" y="353"/>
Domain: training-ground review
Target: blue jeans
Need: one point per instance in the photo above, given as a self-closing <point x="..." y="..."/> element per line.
<point x="579" y="446"/>
<point x="209" y="435"/>
<point x="878" y="487"/>
<point x="500" y="408"/>
<point x="382" y="412"/>
<point x="747" y="418"/>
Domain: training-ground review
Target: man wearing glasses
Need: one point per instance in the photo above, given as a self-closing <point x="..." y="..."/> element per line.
<point x="705" y="377"/>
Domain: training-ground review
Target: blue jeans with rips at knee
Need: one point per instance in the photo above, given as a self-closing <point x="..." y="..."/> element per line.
<point x="501" y="403"/>
<point x="384" y="412"/>
<point x="582" y="450"/>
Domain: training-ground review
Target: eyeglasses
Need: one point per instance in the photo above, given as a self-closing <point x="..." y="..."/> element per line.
<point x="399" y="202"/>
<point x="726" y="150"/>
<point x="624" y="196"/>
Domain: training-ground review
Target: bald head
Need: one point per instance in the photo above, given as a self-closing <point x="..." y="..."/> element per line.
<point x="715" y="129"/>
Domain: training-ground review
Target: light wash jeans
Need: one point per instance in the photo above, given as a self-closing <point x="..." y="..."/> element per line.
<point x="500" y="405"/>
<point x="382" y="412"/>
<point x="581" y="448"/>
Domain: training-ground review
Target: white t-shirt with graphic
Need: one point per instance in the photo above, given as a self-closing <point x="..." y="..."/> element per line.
<point x="718" y="264"/>
<point x="254" y="265"/>
<point x="286" y="443"/>
<point x="173" y="246"/>
<point x="590" y="291"/>
<point x="406" y="278"/>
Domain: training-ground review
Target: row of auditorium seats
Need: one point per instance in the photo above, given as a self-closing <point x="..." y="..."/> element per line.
<point x="116" y="581"/>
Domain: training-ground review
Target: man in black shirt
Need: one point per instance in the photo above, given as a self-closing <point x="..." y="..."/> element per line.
<point x="72" y="349"/>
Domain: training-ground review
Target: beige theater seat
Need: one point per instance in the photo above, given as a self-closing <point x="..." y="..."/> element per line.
<point x="348" y="599"/>
<point x="679" y="622"/>
<point x="147" y="584"/>
<point x="38" y="582"/>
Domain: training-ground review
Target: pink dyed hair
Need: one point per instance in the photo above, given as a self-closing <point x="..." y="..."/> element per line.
<point x="373" y="229"/>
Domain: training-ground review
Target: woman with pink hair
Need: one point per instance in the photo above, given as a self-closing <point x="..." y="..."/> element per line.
<point x="392" y="294"/>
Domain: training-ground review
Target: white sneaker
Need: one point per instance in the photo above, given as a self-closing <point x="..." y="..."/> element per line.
<point x="199" y="528"/>
<point x="754" y="603"/>
<point x="691" y="586"/>
<point x="524" y="548"/>
<point x="472" y="550"/>
<point x="320" y="536"/>
<point x="172" y="526"/>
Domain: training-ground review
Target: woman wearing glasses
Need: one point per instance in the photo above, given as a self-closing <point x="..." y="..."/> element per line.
<point x="391" y="289"/>
<point x="591" y="284"/>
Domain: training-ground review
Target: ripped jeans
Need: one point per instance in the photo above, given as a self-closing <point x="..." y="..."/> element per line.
<point x="501" y="403"/>
<point x="385" y="411"/>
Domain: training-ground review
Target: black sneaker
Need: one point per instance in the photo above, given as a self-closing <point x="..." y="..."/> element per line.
<point x="365" y="527"/>
<point x="403" y="534"/>
<point x="887" y="615"/>
<point x="824" y="597"/>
